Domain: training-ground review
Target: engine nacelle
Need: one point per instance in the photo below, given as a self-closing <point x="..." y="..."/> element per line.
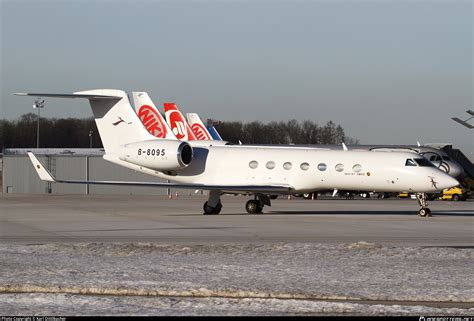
<point x="161" y="155"/>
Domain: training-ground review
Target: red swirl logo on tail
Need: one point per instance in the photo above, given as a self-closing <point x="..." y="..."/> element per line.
<point x="178" y="126"/>
<point x="152" y="121"/>
<point x="200" y="132"/>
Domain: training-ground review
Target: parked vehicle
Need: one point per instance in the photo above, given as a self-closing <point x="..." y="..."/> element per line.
<point x="454" y="194"/>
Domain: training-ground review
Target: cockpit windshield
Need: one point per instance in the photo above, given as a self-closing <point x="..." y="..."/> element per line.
<point x="410" y="162"/>
<point x="423" y="162"/>
<point x="438" y="158"/>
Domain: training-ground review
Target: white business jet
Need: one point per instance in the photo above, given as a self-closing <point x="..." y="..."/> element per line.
<point x="250" y="170"/>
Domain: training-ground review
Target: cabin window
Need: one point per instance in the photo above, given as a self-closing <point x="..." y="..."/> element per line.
<point x="322" y="167"/>
<point x="271" y="165"/>
<point x="304" y="166"/>
<point x="339" y="167"/>
<point x="446" y="158"/>
<point x="253" y="164"/>
<point x="357" y="168"/>
<point x="287" y="166"/>
<point x="423" y="162"/>
<point x="410" y="162"/>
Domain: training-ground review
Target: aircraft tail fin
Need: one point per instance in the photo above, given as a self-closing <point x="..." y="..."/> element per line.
<point x="214" y="133"/>
<point x="197" y="126"/>
<point x="116" y="121"/>
<point x="178" y="123"/>
<point x="151" y="116"/>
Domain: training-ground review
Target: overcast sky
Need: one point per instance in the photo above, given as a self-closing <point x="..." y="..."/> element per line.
<point x="391" y="72"/>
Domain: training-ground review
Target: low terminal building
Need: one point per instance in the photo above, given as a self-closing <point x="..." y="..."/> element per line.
<point x="19" y="175"/>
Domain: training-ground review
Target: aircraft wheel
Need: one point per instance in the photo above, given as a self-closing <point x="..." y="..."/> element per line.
<point x="209" y="210"/>
<point x="424" y="212"/>
<point x="456" y="198"/>
<point x="253" y="207"/>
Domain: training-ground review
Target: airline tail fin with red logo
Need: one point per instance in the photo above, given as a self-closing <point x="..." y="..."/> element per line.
<point x="197" y="126"/>
<point x="151" y="117"/>
<point x="178" y="123"/>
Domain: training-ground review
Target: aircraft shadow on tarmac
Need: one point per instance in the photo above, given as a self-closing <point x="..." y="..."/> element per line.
<point x="411" y="213"/>
<point x="407" y="213"/>
<point x="150" y="229"/>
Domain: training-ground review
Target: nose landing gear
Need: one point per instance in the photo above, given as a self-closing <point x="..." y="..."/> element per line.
<point x="422" y="201"/>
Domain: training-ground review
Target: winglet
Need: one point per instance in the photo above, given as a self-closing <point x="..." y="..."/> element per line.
<point x="344" y="147"/>
<point x="42" y="172"/>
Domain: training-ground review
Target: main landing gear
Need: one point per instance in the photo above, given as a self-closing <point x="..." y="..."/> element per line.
<point x="213" y="206"/>
<point x="422" y="201"/>
<point x="256" y="205"/>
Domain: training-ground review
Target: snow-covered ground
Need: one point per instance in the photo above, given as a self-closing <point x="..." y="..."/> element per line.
<point x="149" y="278"/>
<point x="66" y="304"/>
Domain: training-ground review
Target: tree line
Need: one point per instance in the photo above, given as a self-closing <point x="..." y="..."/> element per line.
<point x="282" y="132"/>
<point x="74" y="132"/>
<point x="54" y="132"/>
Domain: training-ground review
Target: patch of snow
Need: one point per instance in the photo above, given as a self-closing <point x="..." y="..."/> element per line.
<point x="65" y="304"/>
<point x="359" y="271"/>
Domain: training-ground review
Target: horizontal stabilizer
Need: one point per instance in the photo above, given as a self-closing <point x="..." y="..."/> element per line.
<point x="75" y="95"/>
<point x="463" y="122"/>
<point x="265" y="189"/>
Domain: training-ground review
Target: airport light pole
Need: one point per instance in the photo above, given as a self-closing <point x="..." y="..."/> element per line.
<point x="90" y="138"/>
<point x="465" y="122"/>
<point x="39" y="103"/>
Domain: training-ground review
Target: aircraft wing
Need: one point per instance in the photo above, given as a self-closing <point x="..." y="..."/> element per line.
<point x="45" y="175"/>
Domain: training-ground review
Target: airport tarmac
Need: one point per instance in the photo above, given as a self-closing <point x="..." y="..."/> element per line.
<point x="116" y="218"/>
<point x="148" y="255"/>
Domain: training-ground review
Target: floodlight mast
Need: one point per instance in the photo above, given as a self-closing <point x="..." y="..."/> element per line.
<point x="465" y="122"/>
<point x="39" y="103"/>
<point x="91" y="132"/>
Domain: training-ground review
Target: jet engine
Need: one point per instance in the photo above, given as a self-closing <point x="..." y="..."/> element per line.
<point x="161" y="154"/>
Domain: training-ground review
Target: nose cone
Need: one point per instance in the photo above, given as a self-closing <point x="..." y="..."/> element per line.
<point x="445" y="181"/>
